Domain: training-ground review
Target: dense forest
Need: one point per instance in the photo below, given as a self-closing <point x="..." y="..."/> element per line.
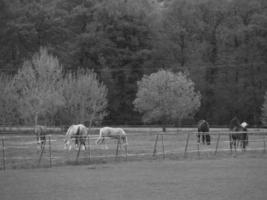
<point x="220" y="44"/>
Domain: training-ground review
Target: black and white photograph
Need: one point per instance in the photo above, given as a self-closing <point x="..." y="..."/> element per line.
<point x="133" y="99"/>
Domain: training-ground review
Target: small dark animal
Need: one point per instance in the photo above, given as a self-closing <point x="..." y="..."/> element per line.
<point x="203" y="132"/>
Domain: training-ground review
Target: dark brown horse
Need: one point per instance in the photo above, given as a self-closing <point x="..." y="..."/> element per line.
<point x="241" y="137"/>
<point x="203" y="132"/>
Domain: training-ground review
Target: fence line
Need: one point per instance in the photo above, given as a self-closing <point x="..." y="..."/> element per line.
<point x="187" y="145"/>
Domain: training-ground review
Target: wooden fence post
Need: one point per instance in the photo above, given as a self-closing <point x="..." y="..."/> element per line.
<point x="126" y="152"/>
<point x="155" y="145"/>
<point x="117" y="149"/>
<point x="4" y="153"/>
<point x="89" y="149"/>
<point x="162" y="143"/>
<point x="50" y="153"/>
<point x="186" y="145"/>
<point x="78" y="153"/>
<point x="217" y="144"/>
<point x="198" y="149"/>
<point x="41" y="154"/>
<point x="264" y="144"/>
<point x="118" y="146"/>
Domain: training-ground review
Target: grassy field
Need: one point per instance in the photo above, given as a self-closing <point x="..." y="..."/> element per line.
<point x="21" y="151"/>
<point x="243" y="177"/>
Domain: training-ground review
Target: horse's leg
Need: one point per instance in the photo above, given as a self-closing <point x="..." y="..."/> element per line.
<point x="126" y="151"/>
<point x="83" y="147"/>
<point x="243" y="145"/>
<point x="246" y="140"/>
<point x="104" y="142"/>
<point x="208" y="139"/>
<point x="83" y="143"/>
<point x="230" y="142"/>
<point x="203" y="137"/>
<point x="243" y="142"/>
<point x="198" y="137"/>
<point x="235" y="143"/>
<point x="99" y="140"/>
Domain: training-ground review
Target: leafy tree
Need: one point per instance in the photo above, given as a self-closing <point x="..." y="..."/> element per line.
<point x="9" y="113"/>
<point x="264" y="111"/>
<point x="113" y="39"/>
<point x="85" y="98"/>
<point x="176" y="33"/>
<point x="166" y="97"/>
<point x="38" y="86"/>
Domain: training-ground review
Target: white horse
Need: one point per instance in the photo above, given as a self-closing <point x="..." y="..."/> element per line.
<point x="113" y="133"/>
<point x="79" y="133"/>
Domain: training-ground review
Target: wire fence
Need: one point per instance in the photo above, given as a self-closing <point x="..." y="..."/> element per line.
<point x="22" y="151"/>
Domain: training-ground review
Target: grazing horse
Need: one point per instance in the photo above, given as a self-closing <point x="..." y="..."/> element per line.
<point x="40" y="132"/>
<point x="202" y="130"/>
<point x="79" y="133"/>
<point x="113" y="133"/>
<point x="235" y="138"/>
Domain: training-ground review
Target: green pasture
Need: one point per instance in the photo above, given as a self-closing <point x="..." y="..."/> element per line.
<point x="21" y="150"/>
<point x="242" y="177"/>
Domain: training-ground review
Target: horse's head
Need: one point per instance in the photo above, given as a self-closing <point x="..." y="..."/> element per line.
<point x="67" y="144"/>
<point x="244" y="124"/>
<point x="124" y="140"/>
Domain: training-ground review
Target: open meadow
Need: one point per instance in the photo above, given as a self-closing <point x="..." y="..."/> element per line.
<point x="243" y="177"/>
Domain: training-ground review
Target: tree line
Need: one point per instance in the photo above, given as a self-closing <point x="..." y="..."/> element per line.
<point x="41" y="93"/>
<point x="221" y="45"/>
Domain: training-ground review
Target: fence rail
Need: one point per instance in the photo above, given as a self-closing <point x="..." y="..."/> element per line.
<point x="22" y="150"/>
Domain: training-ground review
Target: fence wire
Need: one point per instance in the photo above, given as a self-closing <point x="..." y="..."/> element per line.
<point x="22" y="151"/>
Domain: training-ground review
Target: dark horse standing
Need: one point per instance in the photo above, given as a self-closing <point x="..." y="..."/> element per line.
<point x="235" y="138"/>
<point x="202" y="130"/>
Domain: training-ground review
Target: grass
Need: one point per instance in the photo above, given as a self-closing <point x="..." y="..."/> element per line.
<point x="22" y="152"/>
<point x="243" y="178"/>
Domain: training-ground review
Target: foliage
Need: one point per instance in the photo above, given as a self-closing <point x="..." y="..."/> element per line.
<point x="85" y="98"/>
<point x="9" y="113"/>
<point x="222" y="44"/>
<point x="264" y="111"/>
<point x="166" y="97"/>
<point x="38" y="86"/>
